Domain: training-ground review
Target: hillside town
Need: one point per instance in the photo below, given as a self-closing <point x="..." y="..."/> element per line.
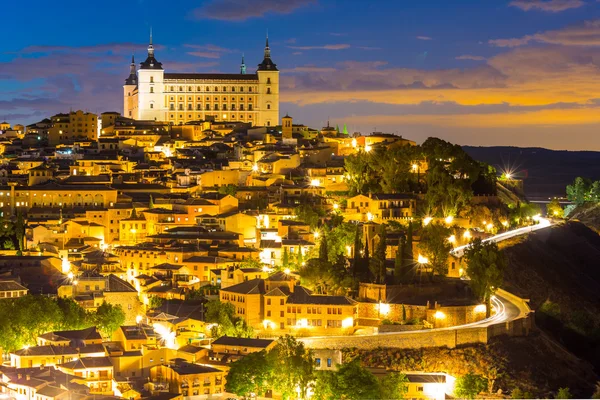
<point x="196" y="255"/>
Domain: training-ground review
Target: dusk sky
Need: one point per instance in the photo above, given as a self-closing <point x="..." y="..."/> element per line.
<point x="485" y="72"/>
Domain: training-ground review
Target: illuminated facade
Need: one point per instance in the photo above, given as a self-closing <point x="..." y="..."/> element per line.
<point x="150" y="93"/>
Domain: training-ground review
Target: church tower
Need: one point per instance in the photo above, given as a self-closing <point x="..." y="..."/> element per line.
<point x="268" y="88"/>
<point x="286" y="127"/>
<point x="150" y="87"/>
<point x="130" y="98"/>
<point x="243" y="66"/>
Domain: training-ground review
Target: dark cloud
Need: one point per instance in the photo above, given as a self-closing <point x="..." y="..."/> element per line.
<point x="240" y="10"/>
<point x="470" y="57"/>
<point x="547" y="5"/>
<point x="586" y="33"/>
<point x="339" y="46"/>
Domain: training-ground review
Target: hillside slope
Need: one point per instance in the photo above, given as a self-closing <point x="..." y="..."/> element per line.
<point x="589" y="215"/>
<point x="559" y="270"/>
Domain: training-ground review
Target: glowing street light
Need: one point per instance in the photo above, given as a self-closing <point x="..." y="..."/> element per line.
<point x="315" y="182"/>
<point x="368" y="148"/>
<point x="349" y="250"/>
<point x="489" y="226"/>
<point x="138" y="319"/>
<point x="287" y="271"/>
<point x="505" y="224"/>
<point x="336" y="206"/>
<point x="255" y="168"/>
<point x="449" y="219"/>
<point x="415" y="167"/>
<point x="65" y="265"/>
<point x="422" y="259"/>
<point x="439" y="315"/>
<point x="316" y="234"/>
<point x="467" y="234"/>
<point x="70" y="275"/>
<point x="427" y="220"/>
<point x="452" y="239"/>
<point x="369" y="216"/>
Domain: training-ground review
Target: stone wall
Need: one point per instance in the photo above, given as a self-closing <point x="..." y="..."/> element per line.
<point x="520" y="326"/>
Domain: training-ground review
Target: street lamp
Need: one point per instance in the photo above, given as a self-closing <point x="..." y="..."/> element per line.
<point x="427" y="220"/>
<point x="452" y="239"/>
<point x="422" y="259"/>
<point x="449" y="219"/>
<point x="467" y="234"/>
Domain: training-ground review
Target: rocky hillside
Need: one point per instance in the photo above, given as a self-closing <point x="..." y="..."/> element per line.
<point x="535" y="364"/>
<point x="559" y="270"/>
<point x="589" y="215"/>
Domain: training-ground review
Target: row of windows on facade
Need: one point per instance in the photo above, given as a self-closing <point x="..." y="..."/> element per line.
<point x="208" y="88"/>
<point x="268" y="91"/>
<point x="216" y="98"/>
<point x="215" y="107"/>
<point x="232" y="117"/>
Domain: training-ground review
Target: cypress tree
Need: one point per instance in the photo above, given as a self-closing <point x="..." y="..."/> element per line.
<point x="151" y="202"/>
<point x="366" y="261"/>
<point x="408" y="247"/>
<point x="380" y="254"/>
<point x="357" y="259"/>
<point x="398" y="262"/>
<point x="323" y="251"/>
<point x="285" y="259"/>
<point x="20" y="230"/>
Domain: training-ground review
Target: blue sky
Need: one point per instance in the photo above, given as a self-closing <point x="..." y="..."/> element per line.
<point x="510" y="72"/>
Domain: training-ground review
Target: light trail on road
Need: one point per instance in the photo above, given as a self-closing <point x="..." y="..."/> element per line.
<point x="542" y="223"/>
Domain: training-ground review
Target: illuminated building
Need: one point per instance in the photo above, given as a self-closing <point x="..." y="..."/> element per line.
<point x="67" y="128"/>
<point x="152" y="94"/>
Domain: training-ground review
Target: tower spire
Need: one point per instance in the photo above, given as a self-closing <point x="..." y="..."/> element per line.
<point x="267" y="49"/>
<point x="150" y="46"/>
<point x="243" y="66"/>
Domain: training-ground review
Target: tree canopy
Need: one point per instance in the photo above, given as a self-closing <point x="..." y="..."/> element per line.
<point x="435" y="246"/>
<point x="485" y="268"/>
<point x="225" y="320"/>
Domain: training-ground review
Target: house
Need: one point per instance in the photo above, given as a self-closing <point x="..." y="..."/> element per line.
<point x="278" y="305"/>
<point x="49" y="355"/>
<point x="71" y="338"/>
<point x="187" y="379"/>
<point x="94" y="372"/>
<point x="381" y="207"/>
<point x="227" y="349"/>
<point x="10" y="289"/>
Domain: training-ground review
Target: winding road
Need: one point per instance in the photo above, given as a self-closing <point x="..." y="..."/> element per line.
<point x="507" y="307"/>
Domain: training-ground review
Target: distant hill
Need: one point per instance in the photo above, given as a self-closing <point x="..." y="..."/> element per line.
<point x="545" y="172"/>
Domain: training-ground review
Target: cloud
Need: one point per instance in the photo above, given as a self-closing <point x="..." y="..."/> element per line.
<point x="368" y="48"/>
<point x="207" y="50"/>
<point x="204" y="54"/>
<point x="470" y="57"/>
<point x="341" y="46"/>
<point x="547" y="5"/>
<point x="424" y="38"/>
<point x="310" y="68"/>
<point x="240" y="10"/>
<point x="114" y="48"/>
<point x="290" y="41"/>
<point x="586" y="33"/>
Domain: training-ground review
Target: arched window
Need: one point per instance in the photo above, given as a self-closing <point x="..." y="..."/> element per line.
<point x="268" y="90"/>
<point x="268" y="106"/>
<point x="151" y="79"/>
<point x="151" y="90"/>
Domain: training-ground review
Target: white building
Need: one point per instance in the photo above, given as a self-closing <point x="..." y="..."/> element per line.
<point x="150" y="93"/>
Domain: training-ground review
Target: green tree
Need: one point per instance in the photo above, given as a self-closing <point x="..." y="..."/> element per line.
<point x="435" y="246"/>
<point x="379" y="256"/>
<point x="578" y="191"/>
<point x="226" y="323"/>
<point x="350" y="381"/>
<point x="554" y="208"/>
<point x="292" y="367"/>
<point x="73" y="316"/>
<point x="361" y="176"/>
<point x="408" y="247"/>
<point x="285" y="258"/>
<point x="485" y="268"/>
<point x="8" y="244"/>
<point x="345" y="131"/>
<point x="357" y="264"/>
<point x="108" y="318"/>
<point x="399" y="262"/>
<point x="563" y="393"/>
<point x="228" y="189"/>
<point x="250" y="374"/>
<point x="155" y="302"/>
<point x="393" y="386"/>
<point x="20" y="230"/>
<point x="519" y="394"/>
<point x="309" y="214"/>
<point x="323" y="252"/>
<point x="469" y="386"/>
<point x="151" y="202"/>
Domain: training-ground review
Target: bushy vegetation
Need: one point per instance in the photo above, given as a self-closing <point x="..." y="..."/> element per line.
<point x="23" y="319"/>
<point x="225" y="320"/>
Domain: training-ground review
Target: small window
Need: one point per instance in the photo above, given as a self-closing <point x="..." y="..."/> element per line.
<point x="151" y="79"/>
<point x="329" y="363"/>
